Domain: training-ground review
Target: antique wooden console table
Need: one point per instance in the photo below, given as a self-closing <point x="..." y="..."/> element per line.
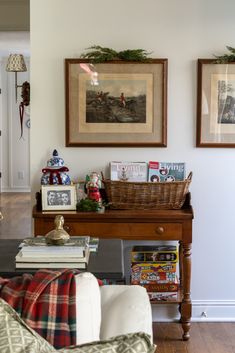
<point x="159" y="225"/>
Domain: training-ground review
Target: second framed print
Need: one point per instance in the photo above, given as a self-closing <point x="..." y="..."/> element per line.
<point x="215" y="104"/>
<point x="126" y="105"/>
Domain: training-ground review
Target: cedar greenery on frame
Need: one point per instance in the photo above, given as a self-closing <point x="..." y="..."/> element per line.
<point x="226" y="58"/>
<point x="98" y="54"/>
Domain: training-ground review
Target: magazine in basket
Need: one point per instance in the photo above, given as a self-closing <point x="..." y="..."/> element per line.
<point x="129" y="171"/>
<point x="166" y="171"/>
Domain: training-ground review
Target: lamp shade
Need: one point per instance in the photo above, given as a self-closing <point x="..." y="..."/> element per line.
<point x="16" y="63"/>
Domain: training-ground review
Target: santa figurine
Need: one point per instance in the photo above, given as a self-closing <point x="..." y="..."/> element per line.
<point x="93" y="184"/>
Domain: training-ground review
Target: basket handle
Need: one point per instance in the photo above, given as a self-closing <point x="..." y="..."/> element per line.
<point x="190" y="176"/>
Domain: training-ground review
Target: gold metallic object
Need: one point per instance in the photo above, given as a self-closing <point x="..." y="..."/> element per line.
<point x="16" y="63"/>
<point x="57" y="236"/>
<point x="1" y="216"/>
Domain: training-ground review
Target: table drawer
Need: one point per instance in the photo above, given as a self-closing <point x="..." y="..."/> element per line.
<point x="123" y="230"/>
<point x="167" y="231"/>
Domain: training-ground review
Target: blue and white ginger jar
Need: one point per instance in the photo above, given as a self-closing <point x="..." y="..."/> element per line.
<point x="55" y="173"/>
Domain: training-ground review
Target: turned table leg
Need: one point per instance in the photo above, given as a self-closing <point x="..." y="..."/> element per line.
<point x="186" y="305"/>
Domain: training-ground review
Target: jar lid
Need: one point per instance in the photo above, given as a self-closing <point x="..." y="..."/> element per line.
<point x="55" y="161"/>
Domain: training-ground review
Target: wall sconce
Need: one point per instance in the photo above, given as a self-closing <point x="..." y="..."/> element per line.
<point x="16" y="63"/>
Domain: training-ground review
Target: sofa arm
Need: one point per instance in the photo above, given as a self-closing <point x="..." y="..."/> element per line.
<point x="124" y="309"/>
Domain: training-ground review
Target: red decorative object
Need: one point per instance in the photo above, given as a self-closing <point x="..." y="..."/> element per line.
<point x="93" y="185"/>
<point x="25" y="94"/>
<point x="55" y="172"/>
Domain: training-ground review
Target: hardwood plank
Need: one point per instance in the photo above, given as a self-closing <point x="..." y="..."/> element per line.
<point x="218" y="338"/>
<point x="229" y="330"/>
<point x="17" y="213"/>
<point x="204" y="338"/>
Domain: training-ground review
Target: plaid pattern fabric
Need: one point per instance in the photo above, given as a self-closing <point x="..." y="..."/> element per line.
<point x="46" y="302"/>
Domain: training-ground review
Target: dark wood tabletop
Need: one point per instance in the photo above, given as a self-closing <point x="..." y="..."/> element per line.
<point x="107" y="263"/>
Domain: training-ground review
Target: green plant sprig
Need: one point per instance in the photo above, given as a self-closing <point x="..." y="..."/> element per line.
<point x="98" y="54"/>
<point x="87" y="205"/>
<point x="226" y="58"/>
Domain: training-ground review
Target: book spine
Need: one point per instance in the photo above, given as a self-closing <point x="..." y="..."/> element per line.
<point x="31" y="265"/>
<point x="31" y="259"/>
<point x="154" y="256"/>
<point x="153" y="267"/>
<point x="161" y="287"/>
<point x="153" y="277"/>
<point x="165" y="296"/>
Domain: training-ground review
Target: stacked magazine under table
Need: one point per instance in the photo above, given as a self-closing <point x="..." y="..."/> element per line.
<point x="154" y="267"/>
<point x="34" y="253"/>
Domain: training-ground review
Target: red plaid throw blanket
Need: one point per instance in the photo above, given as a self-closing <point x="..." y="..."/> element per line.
<point x="46" y="302"/>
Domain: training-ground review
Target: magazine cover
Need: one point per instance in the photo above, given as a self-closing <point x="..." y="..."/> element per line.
<point x="129" y="171"/>
<point x="166" y="171"/>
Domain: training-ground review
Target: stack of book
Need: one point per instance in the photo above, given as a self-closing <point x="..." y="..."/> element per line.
<point x="34" y="253"/>
<point x="154" y="267"/>
<point x="93" y="244"/>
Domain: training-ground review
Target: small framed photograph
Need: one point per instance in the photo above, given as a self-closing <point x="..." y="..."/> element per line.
<point x="215" y="104"/>
<point x="58" y="197"/>
<point x="127" y="106"/>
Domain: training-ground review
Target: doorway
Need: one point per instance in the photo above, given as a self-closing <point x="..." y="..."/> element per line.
<point x="14" y="149"/>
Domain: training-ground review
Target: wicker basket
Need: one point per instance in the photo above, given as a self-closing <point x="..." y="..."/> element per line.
<point x="139" y="195"/>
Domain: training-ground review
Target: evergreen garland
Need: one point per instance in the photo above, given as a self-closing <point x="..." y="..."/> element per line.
<point x="226" y="58"/>
<point x="88" y="205"/>
<point x="98" y="54"/>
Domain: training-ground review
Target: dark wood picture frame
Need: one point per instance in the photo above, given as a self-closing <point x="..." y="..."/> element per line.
<point x="215" y="104"/>
<point x="95" y="120"/>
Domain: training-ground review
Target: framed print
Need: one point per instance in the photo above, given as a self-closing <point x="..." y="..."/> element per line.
<point x="58" y="197"/>
<point x="215" y="104"/>
<point x="126" y="104"/>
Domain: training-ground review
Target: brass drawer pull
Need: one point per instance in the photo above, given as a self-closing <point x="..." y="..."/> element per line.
<point x="159" y="230"/>
<point x="67" y="228"/>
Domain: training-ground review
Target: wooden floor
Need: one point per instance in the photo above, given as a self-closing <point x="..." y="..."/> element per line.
<point x="204" y="337"/>
<point x="16" y="210"/>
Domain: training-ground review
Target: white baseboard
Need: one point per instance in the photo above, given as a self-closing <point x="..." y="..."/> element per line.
<point x="202" y="311"/>
<point x="213" y="310"/>
<point x="16" y="189"/>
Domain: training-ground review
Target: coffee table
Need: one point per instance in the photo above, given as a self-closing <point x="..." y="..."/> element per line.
<point x="107" y="263"/>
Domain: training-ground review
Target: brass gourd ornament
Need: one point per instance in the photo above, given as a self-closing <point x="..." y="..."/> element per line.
<point x="57" y="236"/>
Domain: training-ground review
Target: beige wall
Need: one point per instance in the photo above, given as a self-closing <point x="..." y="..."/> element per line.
<point x="181" y="31"/>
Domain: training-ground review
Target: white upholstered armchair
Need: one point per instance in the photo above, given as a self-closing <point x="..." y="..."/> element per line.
<point x="110" y="310"/>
